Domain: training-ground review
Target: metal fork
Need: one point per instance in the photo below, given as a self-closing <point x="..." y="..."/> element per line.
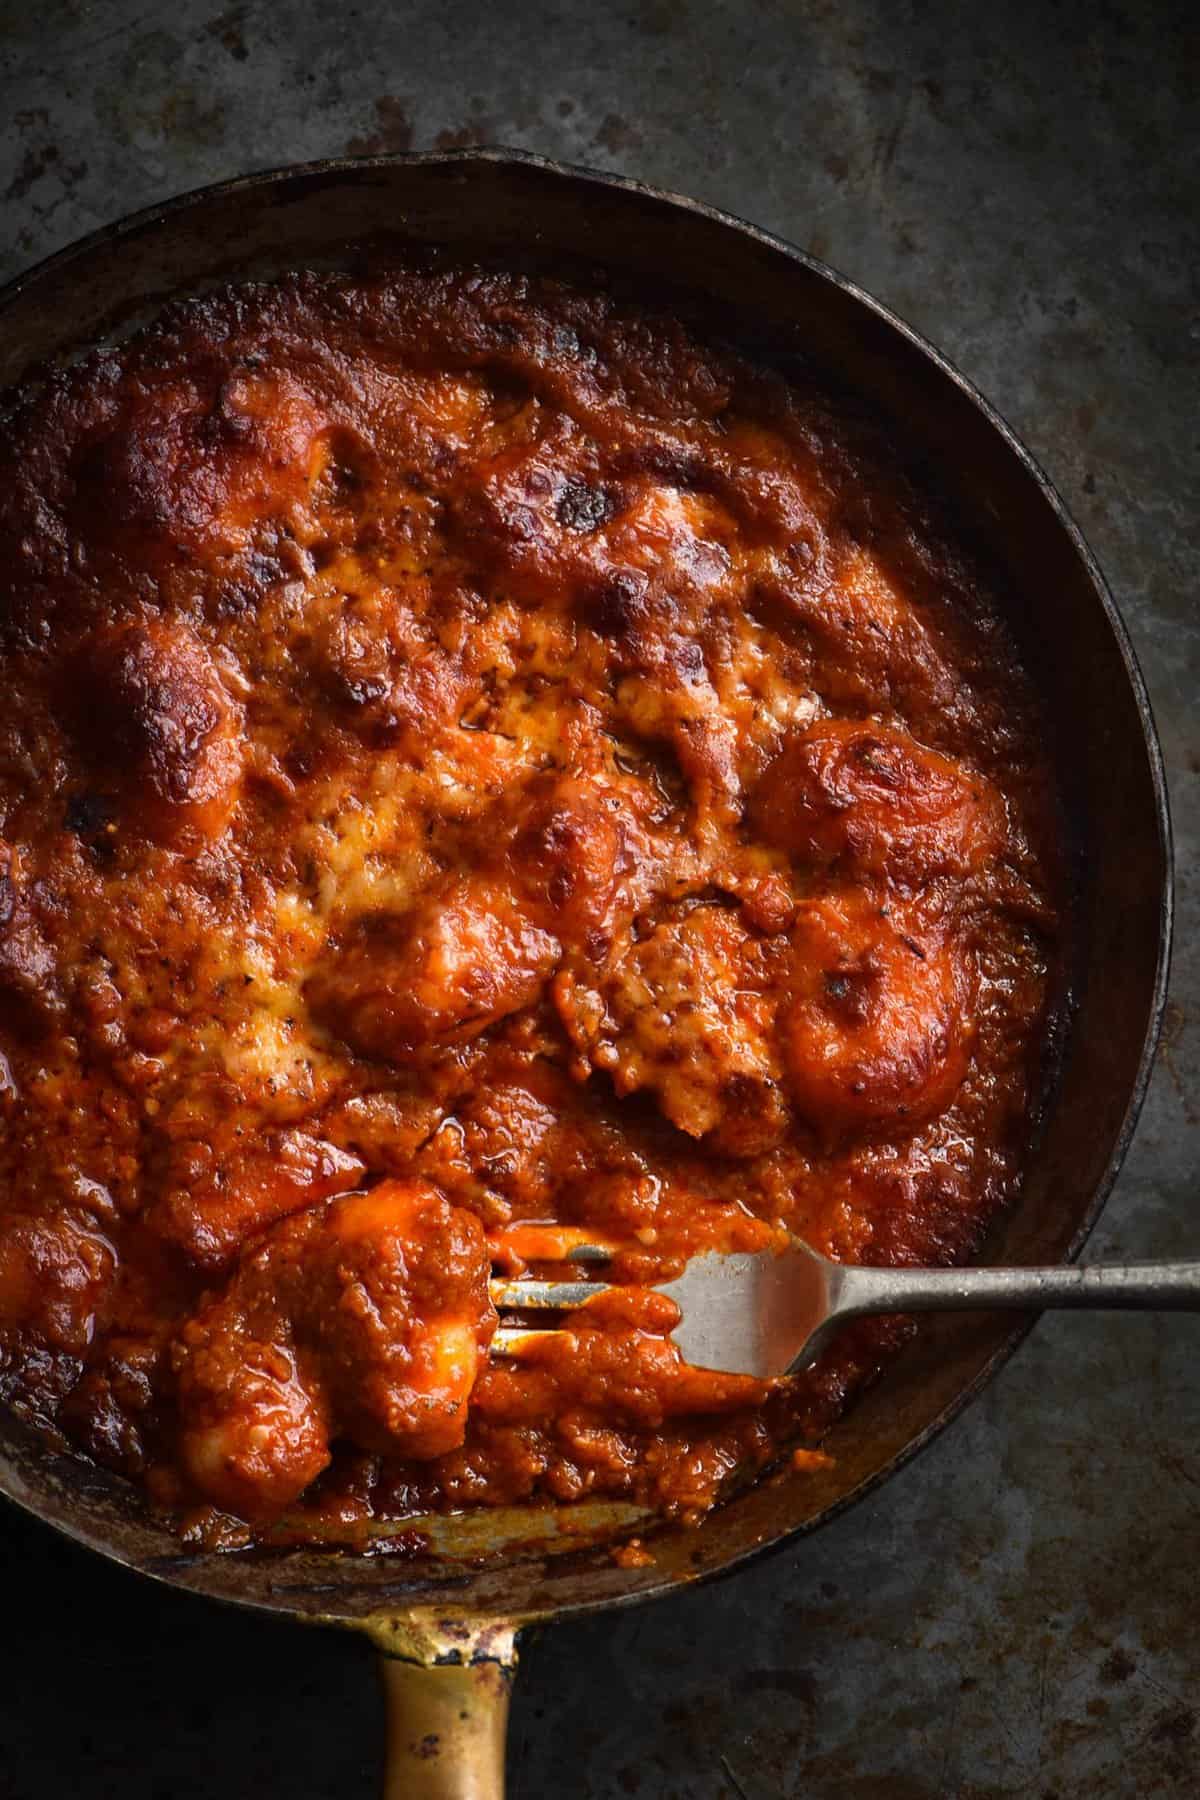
<point x="771" y="1312"/>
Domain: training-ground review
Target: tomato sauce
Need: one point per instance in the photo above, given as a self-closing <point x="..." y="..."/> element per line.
<point x="481" y="771"/>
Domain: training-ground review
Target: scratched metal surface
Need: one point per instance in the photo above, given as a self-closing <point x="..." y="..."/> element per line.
<point x="1014" y="1614"/>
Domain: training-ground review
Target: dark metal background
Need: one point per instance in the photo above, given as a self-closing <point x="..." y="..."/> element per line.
<point x="1011" y="1616"/>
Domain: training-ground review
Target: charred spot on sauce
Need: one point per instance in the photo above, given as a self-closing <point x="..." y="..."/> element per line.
<point x="583" y="507"/>
<point x="89" y="814"/>
<point x="148" y="709"/>
<point x="619" y="606"/>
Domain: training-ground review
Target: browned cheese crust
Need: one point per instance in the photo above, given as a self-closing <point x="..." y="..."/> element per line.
<point x="470" y="747"/>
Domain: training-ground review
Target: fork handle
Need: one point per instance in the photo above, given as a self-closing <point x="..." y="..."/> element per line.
<point x="1159" y="1286"/>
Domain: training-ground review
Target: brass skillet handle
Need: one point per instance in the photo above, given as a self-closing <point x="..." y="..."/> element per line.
<point x="447" y="1713"/>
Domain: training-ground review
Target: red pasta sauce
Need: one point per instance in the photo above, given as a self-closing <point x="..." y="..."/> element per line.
<point x="475" y="758"/>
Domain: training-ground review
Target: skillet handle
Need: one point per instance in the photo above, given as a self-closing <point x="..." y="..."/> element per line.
<point x="447" y="1720"/>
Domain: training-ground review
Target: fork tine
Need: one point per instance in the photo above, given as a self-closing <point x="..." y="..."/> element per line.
<point x="518" y="1341"/>
<point x="522" y="1296"/>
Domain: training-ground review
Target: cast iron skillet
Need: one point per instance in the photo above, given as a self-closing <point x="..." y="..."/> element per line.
<point x="446" y="1619"/>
